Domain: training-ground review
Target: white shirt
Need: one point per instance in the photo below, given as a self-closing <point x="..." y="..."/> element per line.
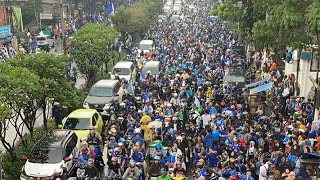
<point x="205" y="119"/>
<point x="263" y="172"/>
<point x="285" y="92"/>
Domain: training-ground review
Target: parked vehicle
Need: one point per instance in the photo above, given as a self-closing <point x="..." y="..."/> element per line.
<point x="57" y="149"/>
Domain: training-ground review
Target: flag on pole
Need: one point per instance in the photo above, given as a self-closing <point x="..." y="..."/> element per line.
<point x="146" y="97"/>
<point x="110" y="8"/>
<point x="142" y="76"/>
<point x="196" y="102"/>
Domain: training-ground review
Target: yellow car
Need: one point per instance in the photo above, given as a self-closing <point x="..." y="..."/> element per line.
<point x="80" y="121"/>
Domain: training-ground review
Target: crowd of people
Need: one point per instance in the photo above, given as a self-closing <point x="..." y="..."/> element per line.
<point x="207" y="127"/>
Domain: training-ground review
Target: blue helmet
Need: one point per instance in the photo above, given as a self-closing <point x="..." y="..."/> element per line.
<point x="158" y="146"/>
<point x="122" y="140"/>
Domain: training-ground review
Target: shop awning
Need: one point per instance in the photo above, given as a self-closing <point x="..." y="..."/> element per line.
<point x="261" y="88"/>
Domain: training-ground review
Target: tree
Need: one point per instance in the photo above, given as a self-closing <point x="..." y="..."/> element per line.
<point x="136" y="19"/>
<point x="51" y="69"/>
<point x="89" y="49"/>
<point x="30" y="9"/>
<point x="20" y="90"/>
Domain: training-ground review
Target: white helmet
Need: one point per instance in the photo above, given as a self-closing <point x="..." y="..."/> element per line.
<point x="113" y="130"/>
<point x="122" y="105"/>
<point x="137" y="131"/>
<point x="175" y="95"/>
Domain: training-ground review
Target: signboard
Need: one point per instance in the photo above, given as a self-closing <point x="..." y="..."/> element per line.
<point x="5" y="31"/>
<point x="46" y="16"/>
<point x="3" y="17"/>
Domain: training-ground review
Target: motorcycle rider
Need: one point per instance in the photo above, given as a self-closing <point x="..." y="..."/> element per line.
<point x="155" y="168"/>
<point x="163" y="175"/>
<point x="132" y="171"/>
<point x="59" y="175"/>
<point x="91" y="171"/>
<point x="84" y="157"/>
<point x="94" y="138"/>
<point x="114" y="167"/>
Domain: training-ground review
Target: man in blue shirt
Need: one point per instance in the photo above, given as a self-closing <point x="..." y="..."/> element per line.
<point x="212" y="158"/>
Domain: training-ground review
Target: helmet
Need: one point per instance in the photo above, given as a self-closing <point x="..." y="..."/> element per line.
<point x="84" y="149"/>
<point x="199" y="110"/>
<point x="114" y="159"/>
<point x="174" y="118"/>
<point x="137" y="131"/>
<point x="58" y="171"/>
<point x="122" y="140"/>
<point x="163" y="172"/>
<point x="92" y="128"/>
<point x="120" y="144"/>
<point x="113" y="130"/>
<point x="122" y="105"/>
<point x="132" y="163"/>
<point x="158" y="146"/>
<point x="116" y="149"/>
<point x="179" y="138"/>
<point x="90" y="162"/>
<point x="232" y="106"/>
<point x="175" y="95"/>
<point x="178" y="163"/>
<point x="157" y="158"/>
<point x="169" y="104"/>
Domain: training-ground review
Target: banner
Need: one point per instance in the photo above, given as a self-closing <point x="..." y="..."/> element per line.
<point x="17" y="19"/>
<point x="258" y="82"/>
<point x="261" y="88"/>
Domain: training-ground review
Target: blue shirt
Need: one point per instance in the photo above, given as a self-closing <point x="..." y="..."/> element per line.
<point x="83" y="159"/>
<point x="137" y="157"/>
<point x="216" y="135"/>
<point x="212" y="158"/>
<point x="135" y="140"/>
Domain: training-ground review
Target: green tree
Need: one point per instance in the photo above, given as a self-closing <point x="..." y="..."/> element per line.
<point x="29" y="10"/>
<point x="51" y="69"/>
<point x="89" y="49"/>
<point x="20" y="90"/>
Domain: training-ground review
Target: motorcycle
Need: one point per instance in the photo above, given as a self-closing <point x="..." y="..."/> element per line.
<point x="81" y="172"/>
<point x="113" y="176"/>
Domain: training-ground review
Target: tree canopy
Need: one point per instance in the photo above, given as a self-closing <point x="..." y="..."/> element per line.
<point x="273" y="23"/>
<point x="90" y="47"/>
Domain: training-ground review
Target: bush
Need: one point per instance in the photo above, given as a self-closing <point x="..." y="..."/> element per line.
<point x="12" y="167"/>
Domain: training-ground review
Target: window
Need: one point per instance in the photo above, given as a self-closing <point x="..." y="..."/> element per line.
<point x="95" y="119"/>
<point x="71" y="145"/>
<point x="100" y="92"/>
<point x="116" y="88"/>
<point x="77" y="123"/>
<point x="314" y="64"/>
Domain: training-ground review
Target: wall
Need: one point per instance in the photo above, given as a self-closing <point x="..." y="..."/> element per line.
<point x="304" y="82"/>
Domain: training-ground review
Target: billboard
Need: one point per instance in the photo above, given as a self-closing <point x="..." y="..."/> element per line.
<point x="3" y="18"/>
<point x="17" y="19"/>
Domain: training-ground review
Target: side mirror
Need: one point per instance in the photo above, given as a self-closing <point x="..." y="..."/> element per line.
<point x="67" y="159"/>
<point x="60" y="126"/>
<point x="110" y="73"/>
<point x="24" y="157"/>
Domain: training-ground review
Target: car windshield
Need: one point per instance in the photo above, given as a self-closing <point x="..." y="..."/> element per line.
<point x="154" y="70"/>
<point x="121" y="71"/>
<point x="145" y="46"/>
<point x="48" y="155"/>
<point x="41" y="38"/>
<point x="100" y="92"/>
<point x="234" y="78"/>
<point x="77" y="124"/>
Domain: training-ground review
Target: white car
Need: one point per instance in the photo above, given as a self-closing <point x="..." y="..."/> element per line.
<point x="58" y="149"/>
<point x="124" y="69"/>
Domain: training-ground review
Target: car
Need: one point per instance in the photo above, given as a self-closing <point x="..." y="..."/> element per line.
<point x="145" y="46"/>
<point x="59" y="148"/>
<point x="80" y="121"/>
<point x="101" y="93"/>
<point x="235" y="75"/>
<point x="44" y="41"/>
<point x="153" y="67"/>
<point x="124" y="69"/>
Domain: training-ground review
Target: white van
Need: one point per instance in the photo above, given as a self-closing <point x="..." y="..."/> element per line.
<point x="124" y="69"/>
<point x="145" y="45"/>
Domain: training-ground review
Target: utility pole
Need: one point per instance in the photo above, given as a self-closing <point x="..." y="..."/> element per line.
<point x="316" y="91"/>
<point x="63" y="28"/>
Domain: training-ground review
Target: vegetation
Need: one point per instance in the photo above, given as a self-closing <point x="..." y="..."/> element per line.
<point x="12" y="166"/>
<point x="91" y="50"/>
<point x="136" y="19"/>
<point x="273" y="23"/>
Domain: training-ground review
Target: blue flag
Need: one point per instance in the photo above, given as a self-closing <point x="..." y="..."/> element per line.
<point x="110" y="8"/>
<point x="146" y="96"/>
<point x="197" y="102"/>
<point x="142" y="76"/>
